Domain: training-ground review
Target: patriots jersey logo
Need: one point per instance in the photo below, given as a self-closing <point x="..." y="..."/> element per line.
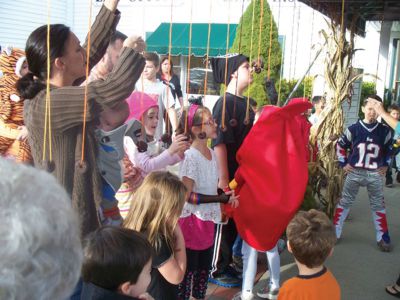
<point x="370" y="139"/>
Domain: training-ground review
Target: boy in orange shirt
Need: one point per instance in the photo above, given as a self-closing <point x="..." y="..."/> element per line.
<point x="311" y="237"/>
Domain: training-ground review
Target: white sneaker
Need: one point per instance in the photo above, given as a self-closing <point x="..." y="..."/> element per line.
<point x="238" y="296"/>
<point x="268" y="293"/>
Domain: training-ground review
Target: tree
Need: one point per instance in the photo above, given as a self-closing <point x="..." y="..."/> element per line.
<point x="244" y="38"/>
<point x="287" y="85"/>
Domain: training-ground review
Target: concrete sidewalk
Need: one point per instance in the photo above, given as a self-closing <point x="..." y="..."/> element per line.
<point x="360" y="268"/>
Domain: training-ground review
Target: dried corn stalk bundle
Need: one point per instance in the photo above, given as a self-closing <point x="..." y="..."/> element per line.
<point x="339" y="79"/>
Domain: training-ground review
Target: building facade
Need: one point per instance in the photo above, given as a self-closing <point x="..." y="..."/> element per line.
<point x="298" y="25"/>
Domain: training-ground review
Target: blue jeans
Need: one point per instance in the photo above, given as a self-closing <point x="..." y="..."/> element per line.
<point x="237" y="246"/>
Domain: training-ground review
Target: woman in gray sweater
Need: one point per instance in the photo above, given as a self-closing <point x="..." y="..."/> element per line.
<point x="68" y="61"/>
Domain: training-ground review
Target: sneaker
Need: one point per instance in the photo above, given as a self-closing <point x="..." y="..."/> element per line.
<point x="281" y="245"/>
<point x="268" y="293"/>
<point x="232" y="271"/>
<point x="389" y="181"/>
<point x="383" y="246"/>
<point x="225" y="280"/>
<point x="237" y="263"/>
<point x="238" y="296"/>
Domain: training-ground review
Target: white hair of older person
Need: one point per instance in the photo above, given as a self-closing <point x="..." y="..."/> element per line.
<point x="40" y="248"/>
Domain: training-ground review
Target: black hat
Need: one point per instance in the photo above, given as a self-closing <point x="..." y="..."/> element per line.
<point x="218" y="66"/>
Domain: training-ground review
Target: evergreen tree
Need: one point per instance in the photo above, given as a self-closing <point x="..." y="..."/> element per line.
<point x="244" y="36"/>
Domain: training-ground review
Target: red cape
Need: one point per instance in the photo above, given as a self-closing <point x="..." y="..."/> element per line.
<point x="272" y="175"/>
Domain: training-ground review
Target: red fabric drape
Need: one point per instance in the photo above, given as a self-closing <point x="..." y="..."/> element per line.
<point x="272" y="174"/>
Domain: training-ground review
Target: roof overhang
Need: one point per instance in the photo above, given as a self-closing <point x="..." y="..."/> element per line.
<point x="158" y="41"/>
<point x="361" y="10"/>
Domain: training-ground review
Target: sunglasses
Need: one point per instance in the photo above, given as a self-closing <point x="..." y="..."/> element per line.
<point x="210" y="122"/>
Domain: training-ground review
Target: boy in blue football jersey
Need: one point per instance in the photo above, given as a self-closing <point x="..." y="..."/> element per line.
<point x="363" y="152"/>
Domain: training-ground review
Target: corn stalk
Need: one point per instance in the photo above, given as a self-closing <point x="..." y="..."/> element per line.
<point x="339" y="78"/>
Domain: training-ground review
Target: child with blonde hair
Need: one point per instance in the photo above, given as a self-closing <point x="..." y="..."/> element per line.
<point x="199" y="173"/>
<point x="155" y="212"/>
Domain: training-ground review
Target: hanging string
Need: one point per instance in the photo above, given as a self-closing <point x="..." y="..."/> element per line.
<point x="223" y="127"/>
<point x="309" y="59"/>
<point x="142" y="140"/>
<point x="252" y="33"/>
<point x="260" y="31"/>
<point x="207" y="57"/>
<point x="343" y="30"/>
<point x="143" y="132"/>
<point x="282" y="56"/>
<point x="291" y="43"/>
<point x="297" y="40"/>
<point x="86" y="85"/>
<point x="247" y="117"/>
<point x="47" y="115"/>
<point x="241" y="29"/>
<point x="379" y="55"/>
<point x="270" y="45"/>
<point x="188" y="65"/>
<point x="207" y="51"/>
<point x="168" y="129"/>
<point x="258" y="67"/>
<point x="233" y="121"/>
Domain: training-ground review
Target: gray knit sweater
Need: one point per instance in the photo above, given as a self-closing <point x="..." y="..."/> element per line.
<point x="67" y="106"/>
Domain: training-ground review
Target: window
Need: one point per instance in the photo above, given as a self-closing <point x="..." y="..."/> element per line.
<point x="197" y="76"/>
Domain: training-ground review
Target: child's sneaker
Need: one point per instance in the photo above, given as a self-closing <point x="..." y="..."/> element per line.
<point x="234" y="272"/>
<point x="383" y="246"/>
<point x="225" y="280"/>
<point x="268" y="293"/>
<point x="237" y="263"/>
<point x="281" y="245"/>
<point x="238" y="296"/>
<point x="389" y="181"/>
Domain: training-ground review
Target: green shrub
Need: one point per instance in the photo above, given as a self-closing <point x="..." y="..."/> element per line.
<point x="243" y="39"/>
<point x="304" y="90"/>
<point x="367" y="88"/>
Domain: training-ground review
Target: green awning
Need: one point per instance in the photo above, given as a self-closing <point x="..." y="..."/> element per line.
<point x="158" y="41"/>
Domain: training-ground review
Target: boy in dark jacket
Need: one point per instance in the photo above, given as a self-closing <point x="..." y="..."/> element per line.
<point x="117" y="265"/>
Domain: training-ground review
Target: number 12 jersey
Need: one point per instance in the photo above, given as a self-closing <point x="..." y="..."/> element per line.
<point x="365" y="146"/>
